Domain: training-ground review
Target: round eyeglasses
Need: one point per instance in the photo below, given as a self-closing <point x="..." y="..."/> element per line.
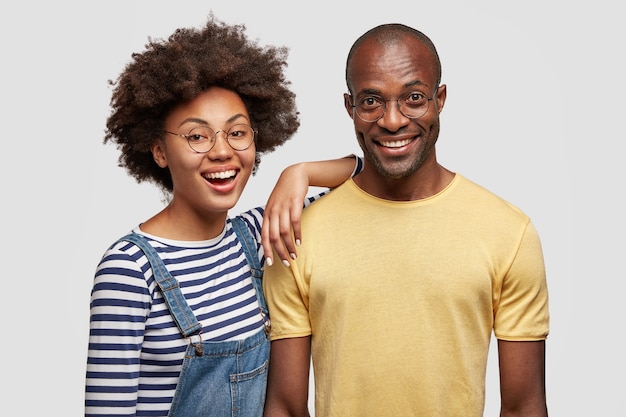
<point x="201" y="139"/>
<point x="372" y="108"/>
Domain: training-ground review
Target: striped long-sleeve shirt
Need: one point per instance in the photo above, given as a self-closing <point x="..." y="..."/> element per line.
<point x="135" y="349"/>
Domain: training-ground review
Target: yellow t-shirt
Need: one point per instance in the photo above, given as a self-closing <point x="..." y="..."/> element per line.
<point x="401" y="298"/>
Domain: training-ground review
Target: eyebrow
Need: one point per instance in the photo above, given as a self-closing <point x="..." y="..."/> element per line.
<point x="205" y="123"/>
<point x="378" y="92"/>
<point x="416" y="82"/>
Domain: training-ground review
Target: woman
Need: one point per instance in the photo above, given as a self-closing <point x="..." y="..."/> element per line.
<point x="178" y="322"/>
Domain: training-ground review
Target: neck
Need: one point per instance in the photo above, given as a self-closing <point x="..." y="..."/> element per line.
<point x="180" y="223"/>
<point x="424" y="183"/>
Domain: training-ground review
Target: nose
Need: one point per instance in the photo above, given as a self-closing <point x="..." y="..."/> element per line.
<point x="393" y="119"/>
<point x="221" y="149"/>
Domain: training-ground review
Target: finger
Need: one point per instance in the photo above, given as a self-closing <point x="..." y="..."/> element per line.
<point x="273" y="236"/>
<point x="265" y="241"/>
<point x="286" y="236"/>
<point x="296" y="214"/>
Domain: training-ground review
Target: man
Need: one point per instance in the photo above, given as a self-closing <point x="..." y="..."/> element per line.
<point x="398" y="303"/>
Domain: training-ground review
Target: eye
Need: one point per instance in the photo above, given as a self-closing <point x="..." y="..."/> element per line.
<point x="370" y="103"/>
<point x="236" y="133"/>
<point x="196" y="137"/>
<point x="239" y="132"/>
<point x="199" y="134"/>
<point x="415" y="99"/>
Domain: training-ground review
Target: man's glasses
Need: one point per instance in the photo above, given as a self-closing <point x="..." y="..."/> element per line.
<point x="412" y="105"/>
<point x="201" y="139"/>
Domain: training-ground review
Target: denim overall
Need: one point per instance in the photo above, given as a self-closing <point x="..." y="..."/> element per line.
<point x="217" y="378"/>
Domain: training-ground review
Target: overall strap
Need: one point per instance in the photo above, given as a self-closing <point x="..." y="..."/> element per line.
<point x="249" y="248"/>
<point x="174" y="299"/>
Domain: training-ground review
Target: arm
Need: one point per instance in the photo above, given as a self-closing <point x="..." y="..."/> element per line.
<point x="522" y="378"/>
<point x="285" y="204"/>
<point x="120" y="297"/>
<point x="288" y="378"/>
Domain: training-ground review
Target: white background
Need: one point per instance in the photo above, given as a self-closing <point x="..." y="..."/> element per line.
<point x="535" y="95"/>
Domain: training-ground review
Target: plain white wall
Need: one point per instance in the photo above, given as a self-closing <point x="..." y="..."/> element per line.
<point x="535" y="95"/>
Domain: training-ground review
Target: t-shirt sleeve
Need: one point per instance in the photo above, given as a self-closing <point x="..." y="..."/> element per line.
<point x="287" y="302"/>
<point x="521" y="313"/>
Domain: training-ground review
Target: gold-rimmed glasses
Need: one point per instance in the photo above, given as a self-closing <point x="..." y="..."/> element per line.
<point x="201" y="139"/>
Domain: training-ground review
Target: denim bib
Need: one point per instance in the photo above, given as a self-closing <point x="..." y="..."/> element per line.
<point x="217" y="378"/>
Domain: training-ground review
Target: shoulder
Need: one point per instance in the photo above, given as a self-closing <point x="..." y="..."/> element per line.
<point x="122" y="273"/>
<point x="123" y="252"/>
<point x="485" y="199"/>
<point x="252" y="219"/>
<point x="249" y="223"/>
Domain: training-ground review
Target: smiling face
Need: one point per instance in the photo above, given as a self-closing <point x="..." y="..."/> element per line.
<point x="211" y="182"/>
<point x="395" y="147"/>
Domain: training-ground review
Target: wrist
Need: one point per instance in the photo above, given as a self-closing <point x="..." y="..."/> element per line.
<point x="299" y="170"/>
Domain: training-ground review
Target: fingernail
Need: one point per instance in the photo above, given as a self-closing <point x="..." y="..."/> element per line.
<point x="269" y="261"/>
<point x="297" y="242"/>
<point x="293" y="256"/>
<point x="286" y="263"/>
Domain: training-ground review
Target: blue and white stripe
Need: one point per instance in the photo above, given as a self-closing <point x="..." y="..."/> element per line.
<point x="135" y="349"/>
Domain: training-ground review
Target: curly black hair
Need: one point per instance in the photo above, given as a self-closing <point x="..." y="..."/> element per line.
<point x="170" y="72"/>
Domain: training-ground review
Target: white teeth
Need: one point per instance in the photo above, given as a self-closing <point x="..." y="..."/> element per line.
<point x="220" y="175"/>
<point x="396" y="144"/>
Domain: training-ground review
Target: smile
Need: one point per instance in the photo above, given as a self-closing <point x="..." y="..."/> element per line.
<point x="395" y="143"/>
<point x="222" y="175"/>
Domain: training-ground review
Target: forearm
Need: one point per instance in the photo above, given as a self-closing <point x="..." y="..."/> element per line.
<point x="522" y="379"/>
<point x="288" y="378"/>
<point x="285" y="204"/>
<point x="272" y="411"/>
<point x="329" y="174"/>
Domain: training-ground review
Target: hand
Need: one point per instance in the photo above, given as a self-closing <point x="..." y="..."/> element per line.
<point x="281" y="220"/>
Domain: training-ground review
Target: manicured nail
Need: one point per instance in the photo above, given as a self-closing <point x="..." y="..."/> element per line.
<point x="286" y="263"/>
<point x="297" y="242"/>
<point x="269" y="261"/>
<point x="293" y="256"/>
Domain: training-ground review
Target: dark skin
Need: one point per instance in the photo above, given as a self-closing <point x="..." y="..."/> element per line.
<point x="410" y="172"/>
<point x="522" y="378"/>
<point x="288" y="378"/>
<point x="401" y="165"/>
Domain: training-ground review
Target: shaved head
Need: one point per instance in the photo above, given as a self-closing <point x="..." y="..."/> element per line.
<point x="391" y="33"/>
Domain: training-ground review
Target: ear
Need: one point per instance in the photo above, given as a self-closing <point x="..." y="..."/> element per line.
<point x="442" y="92"/>
<point x="158" y="153"/>
<point x="347" y="103"/>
